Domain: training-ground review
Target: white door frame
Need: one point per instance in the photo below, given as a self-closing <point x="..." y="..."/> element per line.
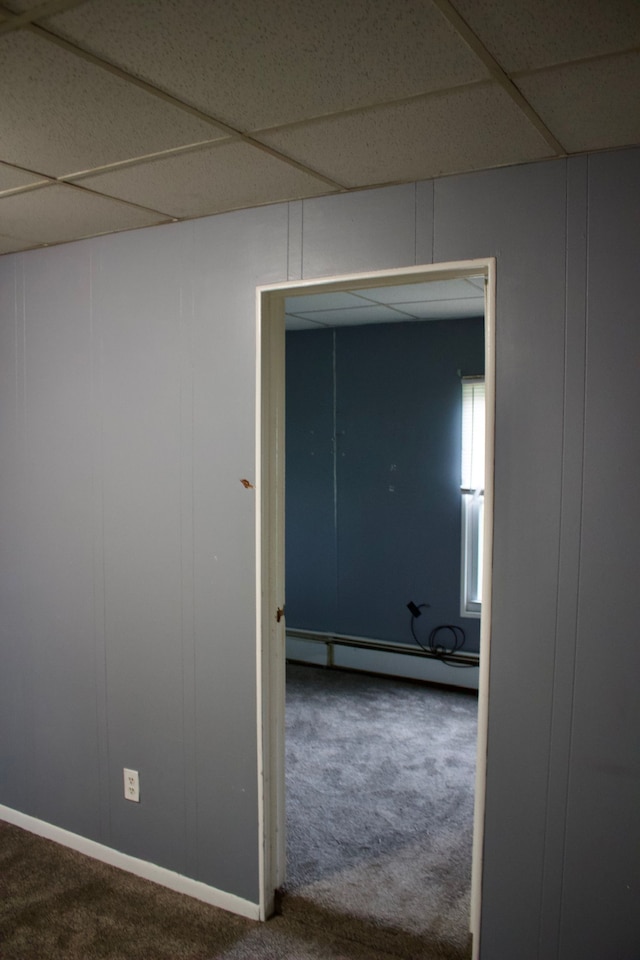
<point x="270" y="576"/>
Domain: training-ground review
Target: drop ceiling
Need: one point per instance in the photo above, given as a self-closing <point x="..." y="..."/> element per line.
<point x="431" y="300"/>
<point x="117" y="114"/>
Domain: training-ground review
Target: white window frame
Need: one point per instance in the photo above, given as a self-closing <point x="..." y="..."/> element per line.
<point x="472" y="495"/>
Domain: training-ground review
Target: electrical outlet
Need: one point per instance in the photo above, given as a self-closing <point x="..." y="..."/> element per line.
<point x="131" y="785"/>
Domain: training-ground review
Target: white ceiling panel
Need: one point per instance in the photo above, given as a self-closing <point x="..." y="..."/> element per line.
<point x="292" y="322"/>
<point x="374" y="313"/>
<point x="589" y="106"/>
<point x="13" y="245"/>
<point x="60" y="114"/>
<point x="23" y="6"/>
<point x="59" y="212"/>
<point x="430" y="300"/>
<point x="415" y="292"/>
<point x="446" y="309"/>
<point x="323" y="301"/>
<point x="209" y="180"/>
<point x="365" y="93"/>
<point x="28" y="11"/>
<point x="525" y="34"/>
<point x="466" y="130"/>
<point x="256" y="64"/>
<point x="10" y="178"/>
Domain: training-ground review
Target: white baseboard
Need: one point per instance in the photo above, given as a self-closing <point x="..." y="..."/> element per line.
<point x="306" y="650"/>
<point x="141" y="868"/>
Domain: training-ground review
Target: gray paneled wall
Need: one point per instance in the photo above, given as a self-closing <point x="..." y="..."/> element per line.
<point x="602" y="861"/>
<point x="518" y="215"/>
<point x="56" y="509"/>
<point x="127" y="553"/>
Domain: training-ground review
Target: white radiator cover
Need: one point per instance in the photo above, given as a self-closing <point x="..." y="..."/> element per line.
<point x="327" y="650"/>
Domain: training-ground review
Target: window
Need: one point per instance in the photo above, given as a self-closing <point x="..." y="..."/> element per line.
<point x="472" y="491"/>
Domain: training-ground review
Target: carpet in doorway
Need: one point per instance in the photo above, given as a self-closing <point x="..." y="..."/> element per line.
<point x="380" y="781"/>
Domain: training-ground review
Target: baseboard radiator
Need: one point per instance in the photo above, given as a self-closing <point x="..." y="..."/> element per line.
<point x="376" y="656"/>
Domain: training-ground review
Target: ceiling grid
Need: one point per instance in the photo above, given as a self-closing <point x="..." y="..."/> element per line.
<point x="117" y="115"/>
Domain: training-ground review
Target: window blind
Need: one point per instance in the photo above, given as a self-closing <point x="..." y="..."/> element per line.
<point x="472" y="473"/>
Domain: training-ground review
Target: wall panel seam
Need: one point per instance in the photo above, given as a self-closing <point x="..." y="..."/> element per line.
<point x="568" y="570"/>
<point x="570" y="765"/>
<point x="561" y="536"/>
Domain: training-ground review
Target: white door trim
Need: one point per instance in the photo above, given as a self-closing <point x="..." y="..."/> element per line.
<point x="270" y="627"/>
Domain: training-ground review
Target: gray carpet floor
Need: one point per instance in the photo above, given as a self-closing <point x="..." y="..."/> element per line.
<point x="380" y="780"/>
<point x="56" y="904"/>
<point x="391" y="883"/>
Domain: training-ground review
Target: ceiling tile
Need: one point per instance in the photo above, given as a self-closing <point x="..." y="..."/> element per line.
<point x="292" y="322"/>
<point x="24" y="6"/>
<point x="259" y="65"/>
<point x="322" y="301"/>
<point x="256" y="64"/>
<point x="589" y="106"/>
<point x="12" y="245"/>
<point x="467" y="130"/>
<point x="10" y="178"/>
<point x="525" y="34"/>
<point x="208" y="181"/>
<point x="58" y="213"/>
<point x="430" y="300"/>
<point x="446" y="309"/>
<point x="355" y="315"/>
<point x="60" y="114"/>
<point x="414" y="292"/>
<point x="20" y="6"/>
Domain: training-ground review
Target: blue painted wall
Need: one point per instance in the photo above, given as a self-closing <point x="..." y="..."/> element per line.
<point x="389" y="531"/>
<point x="311" y="558"/>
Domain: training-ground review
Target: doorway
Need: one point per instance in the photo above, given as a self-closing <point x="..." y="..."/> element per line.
<point x="270" y="553"/>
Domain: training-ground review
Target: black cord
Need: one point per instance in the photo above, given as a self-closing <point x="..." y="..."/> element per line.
<point x="437" y="650"/>
<point x="421" y="606"/>
<point x="458" y="636"/>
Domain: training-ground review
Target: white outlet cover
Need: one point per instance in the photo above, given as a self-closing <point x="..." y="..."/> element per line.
<point x="131" y="785"/>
